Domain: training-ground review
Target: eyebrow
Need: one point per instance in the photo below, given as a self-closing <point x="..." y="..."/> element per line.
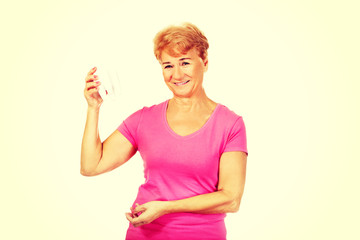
<point x="181" y="59"/>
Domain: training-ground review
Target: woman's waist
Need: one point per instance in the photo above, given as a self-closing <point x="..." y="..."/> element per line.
<point x="181" y="218"/>
<point x="153" y="192"/>
<point x="185" y="218"/>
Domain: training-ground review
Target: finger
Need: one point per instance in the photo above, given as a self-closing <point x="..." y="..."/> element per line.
<point x="129" y="217"/>
<point x="134" y="221"/>
<point x="139" y="208"/>
<point x="132" y="212"/>
<point x="92" y="71"/>
<point x="137" y="214"/>
<point x="90" y="74"/>
<point x="92" y="91"/>
<point x="91" y="78"/>
<point x="138" y="205"/>
<point x="91" y="85"/>
<point x="138" y="222"/>
<point x="137" y="211"/>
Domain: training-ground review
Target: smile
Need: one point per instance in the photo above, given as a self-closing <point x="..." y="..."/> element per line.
<point x="182" y="83"/>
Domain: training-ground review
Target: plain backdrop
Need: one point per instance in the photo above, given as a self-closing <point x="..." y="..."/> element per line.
<point x="290" y="68"/>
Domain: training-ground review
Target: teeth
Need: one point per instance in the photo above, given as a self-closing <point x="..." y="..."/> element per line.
<point x="182" y="83"/>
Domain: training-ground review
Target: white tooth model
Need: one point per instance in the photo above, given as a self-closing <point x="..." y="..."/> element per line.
<point x="109" y="78"/>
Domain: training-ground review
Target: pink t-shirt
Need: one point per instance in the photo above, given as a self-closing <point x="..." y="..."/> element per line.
<point x="178" y="167"/>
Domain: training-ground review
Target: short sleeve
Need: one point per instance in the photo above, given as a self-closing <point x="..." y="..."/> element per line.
<point x="237" y="138"/>
<point x="129" y="128"/>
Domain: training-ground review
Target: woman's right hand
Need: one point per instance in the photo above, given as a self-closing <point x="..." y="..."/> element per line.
<point x="91" y="91"/>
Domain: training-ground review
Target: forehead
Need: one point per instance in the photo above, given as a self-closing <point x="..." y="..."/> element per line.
<point x="167" y="56"/>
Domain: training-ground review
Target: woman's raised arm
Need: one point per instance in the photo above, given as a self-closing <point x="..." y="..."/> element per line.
<point x="98" y="157"/>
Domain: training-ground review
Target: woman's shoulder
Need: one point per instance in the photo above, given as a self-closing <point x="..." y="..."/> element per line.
<point x="148" y="110"/>
<point x="228" y="121"/>
<point x="155" y="108"/>
<point x="227" y="114"/>
<point x="152" y="111"/>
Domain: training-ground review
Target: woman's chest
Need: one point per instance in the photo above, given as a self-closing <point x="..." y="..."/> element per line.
<point x="188" y="124"/>
<point x="194" y="154"/>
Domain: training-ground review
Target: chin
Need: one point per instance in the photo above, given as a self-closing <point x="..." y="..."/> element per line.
<point x="183" y="94"/>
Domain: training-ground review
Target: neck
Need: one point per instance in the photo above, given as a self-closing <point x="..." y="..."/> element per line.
<point x="193" y="103"/>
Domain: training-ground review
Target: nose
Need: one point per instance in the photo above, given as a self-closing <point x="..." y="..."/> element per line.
<point x="178" y="73"/>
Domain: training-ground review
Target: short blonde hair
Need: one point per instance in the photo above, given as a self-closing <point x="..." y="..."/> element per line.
<point x="177" y="40"/>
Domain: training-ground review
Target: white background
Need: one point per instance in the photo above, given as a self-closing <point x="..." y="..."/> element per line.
<point x="290" y="68"/>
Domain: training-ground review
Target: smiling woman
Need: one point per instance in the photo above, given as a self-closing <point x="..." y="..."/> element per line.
<point x="194" y="149"/>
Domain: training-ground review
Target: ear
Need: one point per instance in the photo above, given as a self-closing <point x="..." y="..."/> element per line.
<point x="206" y="64"/>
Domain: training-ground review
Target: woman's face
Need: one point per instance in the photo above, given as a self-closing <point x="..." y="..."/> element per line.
<point x="184" y="74"/>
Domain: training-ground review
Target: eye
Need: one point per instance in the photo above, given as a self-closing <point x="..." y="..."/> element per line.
<point x="185" y="63"/>
<point x="167" y="66"/>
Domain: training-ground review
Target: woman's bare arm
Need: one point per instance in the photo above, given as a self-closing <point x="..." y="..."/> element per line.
<point x="232" y="175"/>
<point x="98" y="157"/>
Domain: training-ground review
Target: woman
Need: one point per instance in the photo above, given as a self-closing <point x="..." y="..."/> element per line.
<point x="194" y="149"/>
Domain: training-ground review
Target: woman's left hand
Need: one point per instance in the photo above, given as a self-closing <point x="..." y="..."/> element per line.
<point x="147" y="212"/>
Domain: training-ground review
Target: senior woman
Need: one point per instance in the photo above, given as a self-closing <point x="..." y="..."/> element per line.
<point x="194" y="149"/>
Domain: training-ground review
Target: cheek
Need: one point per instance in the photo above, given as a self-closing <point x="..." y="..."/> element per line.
<point x="196" y="75"/>
<point x="199" y="71"/>
<point x="167" y="76"/>
<point x="191" y="72"/>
